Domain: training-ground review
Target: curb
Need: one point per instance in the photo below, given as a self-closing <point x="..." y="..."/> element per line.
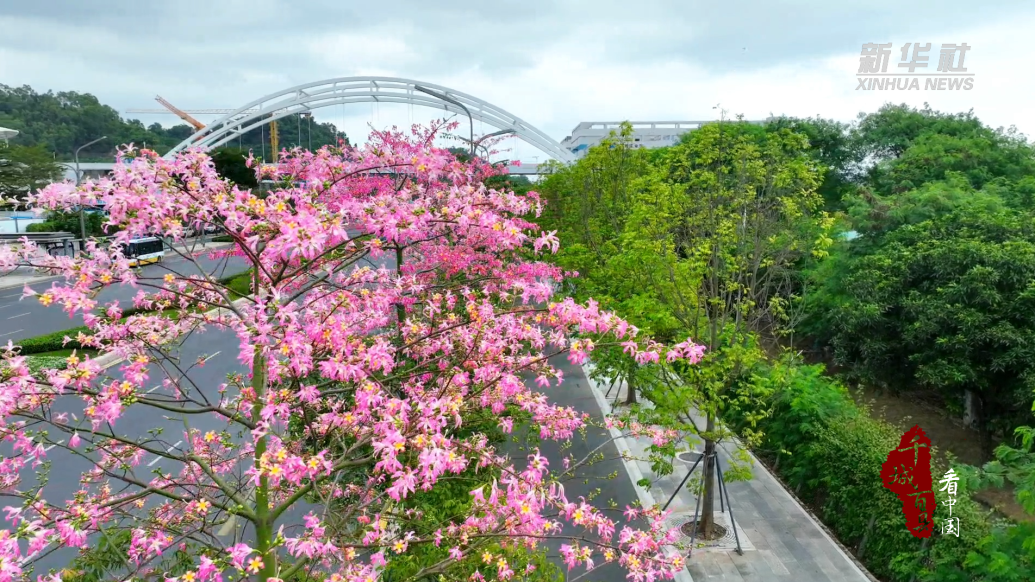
<point x="631" y="468"/>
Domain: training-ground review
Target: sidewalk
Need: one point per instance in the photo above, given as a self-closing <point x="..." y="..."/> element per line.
<point x="27" y="276"/>
<point x="781" y="541"/>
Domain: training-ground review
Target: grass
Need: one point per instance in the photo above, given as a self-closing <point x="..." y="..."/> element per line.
<point x="240" y="285"/>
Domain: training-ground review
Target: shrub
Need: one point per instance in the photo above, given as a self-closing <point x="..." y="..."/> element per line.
<point x="52" y="341"/>
<point x="830" y="452"/>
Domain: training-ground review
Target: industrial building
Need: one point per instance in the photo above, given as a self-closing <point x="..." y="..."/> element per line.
<point x="646" y="134"/>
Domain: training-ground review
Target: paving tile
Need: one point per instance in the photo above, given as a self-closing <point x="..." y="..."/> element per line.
<point x="774" y="563"/>
<point x="726" y="565"/>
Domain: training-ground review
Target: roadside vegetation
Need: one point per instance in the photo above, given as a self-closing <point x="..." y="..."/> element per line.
<point x="812" y="258"/>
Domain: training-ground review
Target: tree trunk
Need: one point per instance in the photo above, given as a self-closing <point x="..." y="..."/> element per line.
<point x="969" y="413"/>
<point x="707" y="519"/>
<point x="630" y="396"/>
<point x="984" y="431"/>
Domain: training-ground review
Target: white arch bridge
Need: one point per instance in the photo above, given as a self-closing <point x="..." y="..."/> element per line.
<point x="347" y="90"/>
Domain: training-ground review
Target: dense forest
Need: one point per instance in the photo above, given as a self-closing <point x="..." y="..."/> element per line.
<point x="900" y="248"/>
<point x="61" y="122"/>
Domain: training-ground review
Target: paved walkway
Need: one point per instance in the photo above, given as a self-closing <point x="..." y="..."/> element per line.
<point x="780" y="539"/>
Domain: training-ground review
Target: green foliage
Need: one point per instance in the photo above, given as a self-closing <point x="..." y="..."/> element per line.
<point x="240" y="285"/>
<point x="231" y="164"/>
<point x="53" y="341"/>
<point x="939" y="294"/>
<point x="893" y="129"/>
<point x="69" y="222"/>
<point x="25" y="169"/>
<point x="832" y="146"/>
<point x="980" y="158"/>
<point x="830" y="452"/>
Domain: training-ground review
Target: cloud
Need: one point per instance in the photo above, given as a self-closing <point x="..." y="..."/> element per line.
<point x="552" y="63"/>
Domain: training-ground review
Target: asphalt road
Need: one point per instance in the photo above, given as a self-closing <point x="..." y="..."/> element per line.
<point x="24" y="318"/>
<point x="160" y="430"/>
<point x="141" y="422"/>
<point x="592" y="480"/>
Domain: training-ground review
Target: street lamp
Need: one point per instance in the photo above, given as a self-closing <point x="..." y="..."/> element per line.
<point x="477" y="143"/>
<point x="452" y="101"/>
<point x="78" y="178"/>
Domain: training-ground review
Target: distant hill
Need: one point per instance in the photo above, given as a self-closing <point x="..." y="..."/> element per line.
<point x="61" y="122"/>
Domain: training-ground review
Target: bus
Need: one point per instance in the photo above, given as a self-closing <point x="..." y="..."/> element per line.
<point x="144" y="251"/>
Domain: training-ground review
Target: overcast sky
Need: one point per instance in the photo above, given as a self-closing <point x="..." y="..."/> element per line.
<point x="552" y="63"/>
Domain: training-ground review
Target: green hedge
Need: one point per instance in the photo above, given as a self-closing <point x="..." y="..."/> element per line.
<point x="240" y="285"/>
<point x="830" y="452"/>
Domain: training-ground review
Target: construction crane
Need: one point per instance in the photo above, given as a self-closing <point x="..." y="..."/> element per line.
<point x="274" y="141"/>
<point x="198" y="126"/>
<point x="184" y="114"/>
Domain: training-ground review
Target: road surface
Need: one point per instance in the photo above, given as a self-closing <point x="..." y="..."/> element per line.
<point x="24" y="318"/>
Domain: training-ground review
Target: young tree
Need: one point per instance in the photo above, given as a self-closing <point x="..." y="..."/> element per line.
<point x="721" y="231"/>
<point x="361" y="377"/>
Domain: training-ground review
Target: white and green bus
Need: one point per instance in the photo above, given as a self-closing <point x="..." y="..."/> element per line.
<point x="144" y="251"/>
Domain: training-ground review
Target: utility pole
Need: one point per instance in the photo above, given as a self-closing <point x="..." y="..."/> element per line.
<point x="78" y="178"/>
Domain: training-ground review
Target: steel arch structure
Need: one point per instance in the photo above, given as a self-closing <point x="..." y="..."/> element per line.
<point x="345" y="90"/>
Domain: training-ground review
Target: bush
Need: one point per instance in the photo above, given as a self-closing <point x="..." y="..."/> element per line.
<point x="52" y="341"/>
<point x="830" y="452"/>
<point x="222" y="238"/>
<point x="40" y="227"/>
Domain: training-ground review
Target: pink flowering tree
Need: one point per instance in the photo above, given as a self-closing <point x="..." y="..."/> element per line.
<point x="396" y="303"/>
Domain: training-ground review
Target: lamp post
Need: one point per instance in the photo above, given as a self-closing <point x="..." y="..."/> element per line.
<point x="452" y="101"/>
<point x="78" y="178"/>
<point x="478" y="143"/>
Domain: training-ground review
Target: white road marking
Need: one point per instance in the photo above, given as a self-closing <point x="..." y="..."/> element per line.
<point x="169" y="450"/>
<point x="153" y="389"/>
<point x="8" y="305"/>
<point x="9" y="296"/>
<point x="11" y="332"/>
<point x="19" y="315"/>
<point x="212" y="356"/>
<point x="60" y="442"/>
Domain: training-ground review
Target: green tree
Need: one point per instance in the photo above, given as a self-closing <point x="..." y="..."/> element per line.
<point x="232" y="164"/>
<point x="25" y="169"/>
<point x="891" y="130"/>
<point x="831" y="144"/>
<point x="63" y="121"/>
<point x="703" y="240"/>
<point x="730" y="217"/>
<point x="941" y="296"/>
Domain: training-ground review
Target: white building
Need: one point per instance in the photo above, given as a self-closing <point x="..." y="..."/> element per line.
<point x="647" y="134"/>
<point x="89" y="170"/>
